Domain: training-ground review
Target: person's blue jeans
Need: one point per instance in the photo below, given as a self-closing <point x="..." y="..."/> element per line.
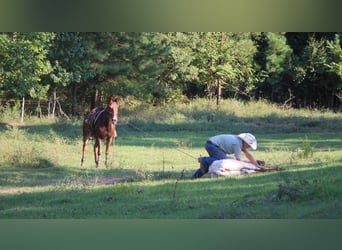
<point x="215" y="153"/>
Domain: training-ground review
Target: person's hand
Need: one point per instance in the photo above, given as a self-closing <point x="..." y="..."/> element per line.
<point x="261" y="163"/>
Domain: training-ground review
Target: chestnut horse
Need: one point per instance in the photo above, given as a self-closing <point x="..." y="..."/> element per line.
<point x="100" y="124"/>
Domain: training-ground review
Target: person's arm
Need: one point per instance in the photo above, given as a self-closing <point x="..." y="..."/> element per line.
<point x="251" y="159"/>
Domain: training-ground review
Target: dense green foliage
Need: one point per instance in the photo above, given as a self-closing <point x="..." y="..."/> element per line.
<point x="80" y="69"/>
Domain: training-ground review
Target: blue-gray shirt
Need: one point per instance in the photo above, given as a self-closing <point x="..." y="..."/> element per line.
<point x="230" y="144"/>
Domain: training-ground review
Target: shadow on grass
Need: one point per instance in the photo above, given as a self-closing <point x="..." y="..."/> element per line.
<point x="200" y="122"/>
<point x="254" y="196"/>
<point x="223" y="121"/>
<point x="68" y="131"/>
<point x="18" y="177"/>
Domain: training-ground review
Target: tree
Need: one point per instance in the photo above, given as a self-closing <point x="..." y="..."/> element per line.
<point x="178" y="66"/>
<point x="334" y="65"/>
<point x="226" y="60"/>
<point x="70" y="65"/>
<point x="311" y="72"/>
<point x="277" y="61"/>
<point x="159" y="67"/>
<point x="242" y="51"/>
<point x="23" y="63"/>
<point x="127" y="63"/>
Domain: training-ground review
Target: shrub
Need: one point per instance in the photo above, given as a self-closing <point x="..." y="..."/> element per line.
<point x="9" y="114"/>
<point x="28" y="157"/>
<point x="307" y="149"/>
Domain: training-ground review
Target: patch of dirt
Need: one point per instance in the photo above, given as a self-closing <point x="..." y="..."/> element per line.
<point x="93" y="181"/>
<point x="12" y="124"/>
<point x="101" y="181"/>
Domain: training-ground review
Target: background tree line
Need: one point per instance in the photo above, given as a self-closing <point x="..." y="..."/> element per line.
<point x="78" y="69"/>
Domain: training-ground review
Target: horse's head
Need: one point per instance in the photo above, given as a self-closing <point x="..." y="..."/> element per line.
<point x="113" y="103"/>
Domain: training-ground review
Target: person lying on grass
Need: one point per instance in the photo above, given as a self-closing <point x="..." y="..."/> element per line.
<point x="220" y="146"/>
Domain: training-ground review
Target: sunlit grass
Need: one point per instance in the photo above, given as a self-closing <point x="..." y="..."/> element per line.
<point x="157" y="148"/>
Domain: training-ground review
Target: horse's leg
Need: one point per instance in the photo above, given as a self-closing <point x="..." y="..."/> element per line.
<point x="85" y="143"/>
<point x="97" y="151"/>
<point x="98" y="142"/>
<point x="109" y="141"/>
<point x="86" y="137"/>
<point x="114" y="137"/>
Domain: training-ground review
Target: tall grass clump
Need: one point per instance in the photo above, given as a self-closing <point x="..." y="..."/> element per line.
<point x="26" y="156"/>
<point x="231" y="116"/>
<point x="307" y="149"/>
<point x="19" y="149"/>
<point x="9" y="114"/>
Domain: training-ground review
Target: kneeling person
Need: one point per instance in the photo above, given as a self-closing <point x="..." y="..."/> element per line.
<point x="220" y="146"/>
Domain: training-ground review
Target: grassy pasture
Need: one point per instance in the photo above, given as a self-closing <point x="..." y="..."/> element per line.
<point x="153" y="160"/>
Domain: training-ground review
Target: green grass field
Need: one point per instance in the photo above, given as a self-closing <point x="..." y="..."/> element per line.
<point x="155" y="155"/>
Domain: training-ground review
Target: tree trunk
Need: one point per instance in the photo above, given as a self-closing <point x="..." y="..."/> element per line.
<point x="54" y="100"/>
<point x="22" y="110"/>
<point x="219" y="92"/>
<point x="219" y="81"/>
<point x="332" y="101"/>
<point x="211" y="92"/>
<point x="305" y="100"/>
<point x="95" y="99"/>
<point x="49" y="107"/>
<point x="39" y="110"/>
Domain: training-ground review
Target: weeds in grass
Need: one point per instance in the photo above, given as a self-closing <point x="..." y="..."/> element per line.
<point x="307" y="149"/>
<point x="304" y="153"/>
<point x="144" y="175"/>
<point x="28" y="157"/>
<point x="14" y="133"/>
<point x="288" y="192"/>
<point x="8" y="113"/>
<point x="300" y="190"/>
<point x="232" y="114"/>
<point x="176" y="118"/>
<point x="176" y="183"/>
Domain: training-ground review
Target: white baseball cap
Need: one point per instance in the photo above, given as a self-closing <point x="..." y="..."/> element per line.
<point x="249" y="139"/>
